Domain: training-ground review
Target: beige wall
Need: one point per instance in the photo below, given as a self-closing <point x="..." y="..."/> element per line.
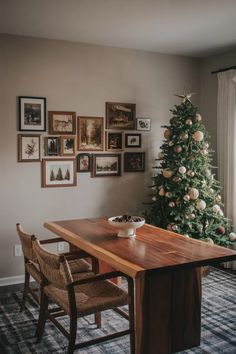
<point x="79" y="77"/>
<point x="209" y="91"/>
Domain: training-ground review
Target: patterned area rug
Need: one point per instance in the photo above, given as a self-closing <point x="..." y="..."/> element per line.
<point x="218" y="324"/>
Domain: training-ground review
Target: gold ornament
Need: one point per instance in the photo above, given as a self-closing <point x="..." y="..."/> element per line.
<point x="218" y="198"/>
<point x="176" y="179"/>
<point x="198" y="135"/>
<point x="167" y="134"/>
<point x="188" y="122"/>
<point x="160" y="155"/>
<point x="183" y="136"/>
<point x="170" y="143"/>
<point x="198" y="117"/>
<point x="201" y="204"/>
<point x="171" y="204"/>
<point x="167" y="173"/>
<point x="186" y="197"/>
<point x="168" y="194"/>
<point x="162" y="192"/>
<point x="209" y="240"/>
<point x="186" y="96"/>
<point x="190" y="173"/>
<point x="193" y="193"/>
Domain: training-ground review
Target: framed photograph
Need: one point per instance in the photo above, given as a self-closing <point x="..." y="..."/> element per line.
<point x="120" y="115"/>
<point x="134" y="161"/>
<point x="83" y="163"/>
<point x="143" y="124"/>
<point x="132" y="140"/>
<point x="62" y="123"/>
<point x="52" y="145"/>
<point x="58" y="173"/>
<point x="32" y="113"/>
<point x="114" y="141"/>
<point x="90" y="133"/>
<point x="67" y="145"/>
<point x="28" y="148"/>
<point x="106" y="165"/>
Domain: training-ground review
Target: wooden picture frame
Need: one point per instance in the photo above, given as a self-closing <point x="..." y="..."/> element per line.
<point x="120" y="116"/>
<point x="68" y="143"/>
<point x="114" y="141"/>
<point x="83" y="162"/>
<point x="143" y="124"/>
<point x="52" y="146"/>
<point x="105" y="165"/>
<point x="134" y="161"/>
<point x="90" y="136"/>
<point x="32" y="113"/>
<point x="28" y="148"/>
<point x="133" y="140"/>
<point x="62" y="123"/>
<point x="58" y="173"/>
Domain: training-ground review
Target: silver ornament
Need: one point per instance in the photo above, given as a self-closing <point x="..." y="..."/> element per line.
<point x="182" y="170"/>
<point x="188" y="122"/>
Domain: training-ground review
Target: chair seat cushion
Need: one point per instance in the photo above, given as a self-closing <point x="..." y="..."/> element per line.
<point x="79" y="265"/>
<point x="90" y="298"/>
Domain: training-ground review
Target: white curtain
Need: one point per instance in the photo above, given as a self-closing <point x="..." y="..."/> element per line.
<point x="226" y="144"/>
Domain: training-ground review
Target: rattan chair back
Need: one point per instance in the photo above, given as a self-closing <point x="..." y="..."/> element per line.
<point x="26" y="243"/>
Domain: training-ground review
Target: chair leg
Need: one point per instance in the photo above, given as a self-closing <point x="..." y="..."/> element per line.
<point x="131" y="317"/>
<point x="98" y="319"/>
<point x="42" y="316"/>
<point x="73" y="331"/>
<point x="25" y="291"/>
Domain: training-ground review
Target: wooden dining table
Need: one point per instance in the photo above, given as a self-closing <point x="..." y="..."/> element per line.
<point x="166" y="268"/>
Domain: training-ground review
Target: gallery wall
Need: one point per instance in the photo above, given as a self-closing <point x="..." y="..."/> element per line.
<point x="80" y="78"/>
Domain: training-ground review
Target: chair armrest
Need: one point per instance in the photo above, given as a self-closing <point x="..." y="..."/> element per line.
<point x="52" y="240"/>
<point x="76" y="254"/>
<point x="98" y="277"/>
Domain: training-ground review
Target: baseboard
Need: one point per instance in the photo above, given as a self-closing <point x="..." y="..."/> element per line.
<point x="18" y="279"/>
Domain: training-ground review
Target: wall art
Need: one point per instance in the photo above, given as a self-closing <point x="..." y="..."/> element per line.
<point x="134" y="161"/>
<point x="90" y="133"/>
<point x="106" y="165"/>
<point x="32" y="113"/>
<point x="62" y="123"/>
<point x="28" y="148"/>
<point x="58" y="172"/>
<point x="120" y="115"/>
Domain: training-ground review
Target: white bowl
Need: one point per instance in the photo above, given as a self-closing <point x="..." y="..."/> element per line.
<point x="126" y="229"/>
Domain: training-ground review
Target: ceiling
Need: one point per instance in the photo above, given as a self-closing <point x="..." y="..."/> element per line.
<point x="196" y="28"/>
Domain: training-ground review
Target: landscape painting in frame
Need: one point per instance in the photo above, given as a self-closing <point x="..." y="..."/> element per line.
<point x="62" y="123"/>
<point x="58" y="172"/>
<point x="67" y="145"/>
<point x="90" y="133"/>
<point x="32" y="113"/>
<point x="114" y="141"/>
<point x="106" y="165"/>
<point x="28" y="148"/>
<point x="120" y="115"/>
<point x="134" y="161"/>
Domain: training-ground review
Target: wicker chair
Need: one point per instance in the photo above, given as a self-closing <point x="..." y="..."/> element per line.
<point x="78" y="298"/>
<point x="77" y="265"/>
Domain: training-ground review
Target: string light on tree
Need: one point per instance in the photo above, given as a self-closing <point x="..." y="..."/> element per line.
<point x="188" y="197"/>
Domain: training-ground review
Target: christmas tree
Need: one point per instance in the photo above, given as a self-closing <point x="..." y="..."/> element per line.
<point x="185" y="194"/>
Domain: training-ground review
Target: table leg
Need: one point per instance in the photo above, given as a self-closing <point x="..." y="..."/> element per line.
<point x="167" y="311"/>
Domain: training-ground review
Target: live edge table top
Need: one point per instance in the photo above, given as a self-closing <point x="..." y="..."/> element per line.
<point x="153" y="249"/>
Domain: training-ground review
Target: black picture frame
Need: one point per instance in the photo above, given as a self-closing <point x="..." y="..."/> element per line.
<point x="120" y="116"/>
<point x="134" y="161"/>
<point x="32" y="113"/>
<point x="84" y="162"/>
<point x="52" y="146"/>
<point x="133" y="140"/>
<point x="106" y="165"/>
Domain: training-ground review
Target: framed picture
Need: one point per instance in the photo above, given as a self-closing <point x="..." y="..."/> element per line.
<point x="58" y="173"/>
<point x="143" y="124"/>
<point x="52" y="145"/>
<point x="83" y="162"/>
<point x="132" y="140"/>
<point x="134" y="161"/>
<point x="90" y="133"/>
<point x="32" y="113"/>
<point x="67" y="145"/>
<point x="120" y="115"/>
<point x="106" y="165"/>
<point x="114" y="141"/>
<point x="28" y="148"/>
<point x="62" y="123"/>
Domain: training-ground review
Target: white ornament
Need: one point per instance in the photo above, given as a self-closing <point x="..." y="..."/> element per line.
<point x="182" y="170"/>
<point x="167" y="173"/>
<point x="216" y="208"/>
<point x="198" y="117"/>
<point x="186" y="235"/>
<point x="168" y="194"/>
<point x="174" y="227"/>
<point x="154" y="199"/>
<point x="200" y="205"/>
<point x="209" y="240"/>
<point x="192" y="216"/>
<point x="232" y="236"/>
<point x="186" y="197"/>
<point x="218" y="198"/>
<point x="193" y="193"/>
<point x="160" y="155"/>
<point x="169" y="227"/>
<point x="162" y="192"/>
<point x="171" y="143"/>
<point x="172" y="204"/>
<point x="188" y="122"/>
<point x="205" y="145"/>
<point x="198" y="135"/>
